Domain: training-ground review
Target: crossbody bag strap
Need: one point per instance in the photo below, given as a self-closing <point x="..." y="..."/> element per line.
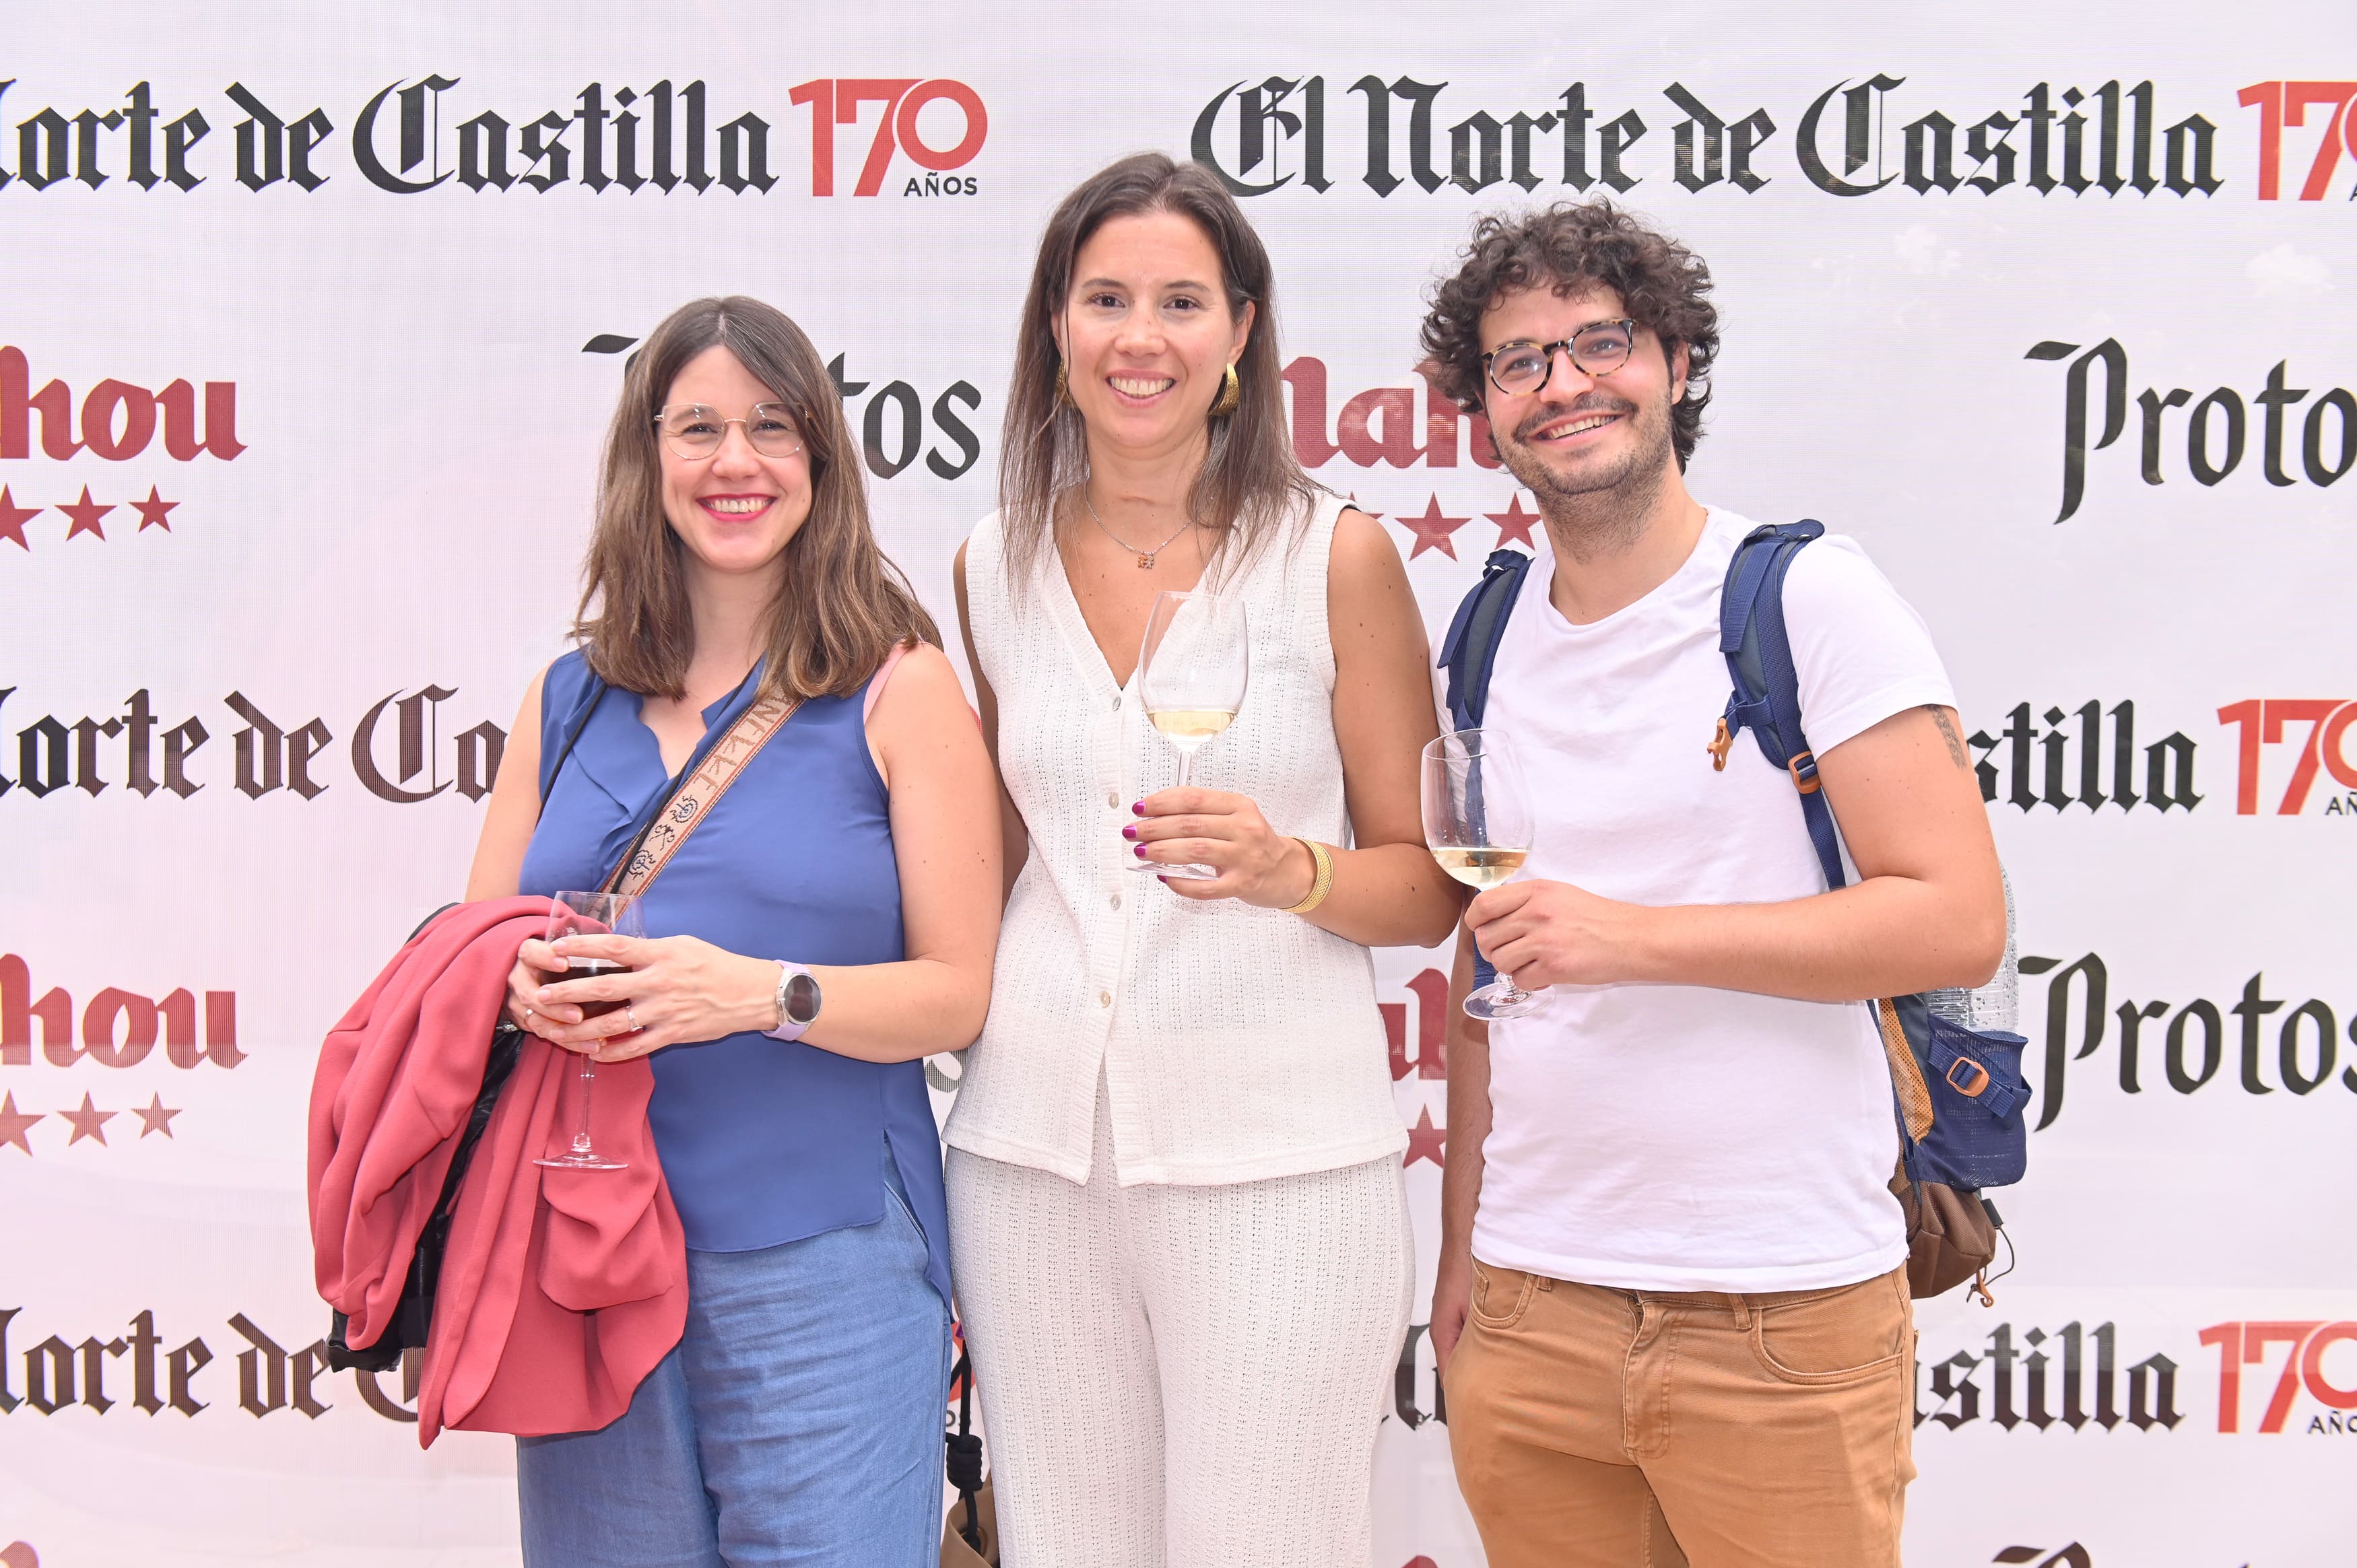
<point x="589" y="712"/>
<point x="691" y="800"/>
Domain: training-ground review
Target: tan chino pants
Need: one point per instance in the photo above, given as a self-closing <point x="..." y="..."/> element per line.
<point x="1596" y="1428"/>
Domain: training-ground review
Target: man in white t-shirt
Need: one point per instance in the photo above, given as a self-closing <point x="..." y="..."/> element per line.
<point x="1671" y="1309"/>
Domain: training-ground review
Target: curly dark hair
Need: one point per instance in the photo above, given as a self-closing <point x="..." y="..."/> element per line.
<point x="1664" y="285"/>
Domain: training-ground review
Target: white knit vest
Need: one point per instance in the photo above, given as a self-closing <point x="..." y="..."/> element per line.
<point x="1237" y="1043"/>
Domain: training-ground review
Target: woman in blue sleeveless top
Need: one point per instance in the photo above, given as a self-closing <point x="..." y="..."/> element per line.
<point x="829" y="923"/>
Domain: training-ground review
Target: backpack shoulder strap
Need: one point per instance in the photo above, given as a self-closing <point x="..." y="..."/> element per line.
<point x="1767" y="701"/>
<point x="1767" y="697"/>
<point x="1470" y="650"/>
<point x="1470" y="653"/>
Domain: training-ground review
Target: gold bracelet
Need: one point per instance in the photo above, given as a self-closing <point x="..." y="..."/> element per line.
<point x="1321" y="884"/>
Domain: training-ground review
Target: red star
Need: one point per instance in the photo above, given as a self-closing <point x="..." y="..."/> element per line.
<point x="157" y="1118"/>
<point x="1425" y="1141"/>
<point x="13" y="1122"/>
<point x="1513" y="524"/>
<point x="85" y="515"/>
<point x="152" y="512"/>
<point x="88" y="1122"/>
<point x="1432" y="530"/>
<point x="1357" y="506"/>
<point x="13" y="518"/>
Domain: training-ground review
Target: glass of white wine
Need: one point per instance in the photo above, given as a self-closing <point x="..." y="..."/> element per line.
<point x="1191" y="672"/>
<point x="1480" y="826"/>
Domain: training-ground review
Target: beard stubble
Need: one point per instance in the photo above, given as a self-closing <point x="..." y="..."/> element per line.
<point x="1600" y="509"/>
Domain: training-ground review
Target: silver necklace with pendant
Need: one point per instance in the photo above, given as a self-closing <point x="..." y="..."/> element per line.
<point x="1144" y="557"/>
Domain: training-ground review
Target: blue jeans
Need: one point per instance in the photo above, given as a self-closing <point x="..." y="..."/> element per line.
<point x="798" y="1420"/>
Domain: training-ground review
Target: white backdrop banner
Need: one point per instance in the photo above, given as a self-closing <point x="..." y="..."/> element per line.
<point x="313" y="320"/>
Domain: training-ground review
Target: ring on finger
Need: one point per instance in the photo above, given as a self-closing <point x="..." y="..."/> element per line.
<point x="629" y="1017"/>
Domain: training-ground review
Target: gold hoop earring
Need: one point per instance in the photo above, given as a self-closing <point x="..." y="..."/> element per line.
<point x="1231" y="392"/>
<point x="1064" y="388"/>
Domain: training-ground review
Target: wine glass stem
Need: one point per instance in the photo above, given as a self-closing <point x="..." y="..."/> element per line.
<point x="588" y="1082"/>
<point x="1186" y="765"/>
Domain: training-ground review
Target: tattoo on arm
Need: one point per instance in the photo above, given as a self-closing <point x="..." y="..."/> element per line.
<point x="1948" y="733"/>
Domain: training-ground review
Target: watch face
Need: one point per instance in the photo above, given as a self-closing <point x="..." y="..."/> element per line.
<point x="802" y="999"/>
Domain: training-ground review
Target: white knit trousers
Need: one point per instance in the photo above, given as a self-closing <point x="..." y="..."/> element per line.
<point x="1187" y="1376"/>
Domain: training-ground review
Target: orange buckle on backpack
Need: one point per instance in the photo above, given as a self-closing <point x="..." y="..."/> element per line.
<point x="1720" y="744"/>
<point x="1808" y="786"/>
<point x="1971" y="1088"/>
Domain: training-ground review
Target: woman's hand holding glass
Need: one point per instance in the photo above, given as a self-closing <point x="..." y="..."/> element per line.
<point x="1225" y="834"/>
<point x="1193" y="665"/>
<point x="667" y="991"/>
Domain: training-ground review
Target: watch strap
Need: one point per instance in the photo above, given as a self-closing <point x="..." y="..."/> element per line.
<point x="788" y="1027"/>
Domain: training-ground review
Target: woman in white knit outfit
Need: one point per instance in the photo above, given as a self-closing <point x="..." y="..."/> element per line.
<point x="1181" y="1247"/>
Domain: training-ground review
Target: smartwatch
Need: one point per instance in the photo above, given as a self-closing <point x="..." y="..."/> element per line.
<point x="798" y="1002"/>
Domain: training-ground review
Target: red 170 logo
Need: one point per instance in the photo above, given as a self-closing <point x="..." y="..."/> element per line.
<point x="835" y="102"/>
<point x="2304" y="1348"/>
<point x="2262" y="724"/>
<point x="2282" y="103"/>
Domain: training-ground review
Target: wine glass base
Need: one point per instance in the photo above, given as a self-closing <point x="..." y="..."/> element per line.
<point x="1497" y="1002"/>
<point x="1189" y="873"/>
<point x="583" y="1163"/>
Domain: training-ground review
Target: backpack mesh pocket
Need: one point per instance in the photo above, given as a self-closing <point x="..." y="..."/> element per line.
<point x="1977" y="1138"/>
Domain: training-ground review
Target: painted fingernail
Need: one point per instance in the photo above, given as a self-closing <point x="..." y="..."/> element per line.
<point x="1137" y="808"/>
<point x="1164" y="880"/>
<point x="1129" y="833"/>
<point x="1140" y="851"/>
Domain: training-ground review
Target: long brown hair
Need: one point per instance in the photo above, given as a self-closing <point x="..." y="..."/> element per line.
<point x="1250" y="484"/>
<point x="843" y="606"/>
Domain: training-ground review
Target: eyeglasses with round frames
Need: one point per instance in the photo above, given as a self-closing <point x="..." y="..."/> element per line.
<point x="1523" y="367"/>
<point x="694" y="430"/>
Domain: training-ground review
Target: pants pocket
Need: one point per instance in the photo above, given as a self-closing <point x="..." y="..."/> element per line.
<point x="1501" y="1295"/>
<point x="900" y="1215"/>
<point x="1845" y="1336"/>
<point x="901" y="1204"/>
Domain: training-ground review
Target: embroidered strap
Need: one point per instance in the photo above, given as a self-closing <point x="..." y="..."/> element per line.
<point x="696" y="797"/>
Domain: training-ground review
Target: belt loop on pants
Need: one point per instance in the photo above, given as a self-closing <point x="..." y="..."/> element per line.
<point x="1740" y="1304"/>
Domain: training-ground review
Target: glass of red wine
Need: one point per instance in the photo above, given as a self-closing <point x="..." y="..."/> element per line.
<point x="589" y="915"/>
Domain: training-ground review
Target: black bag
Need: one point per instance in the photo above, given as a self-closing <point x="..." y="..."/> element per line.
<point x="414" y="1315"/>
<point x="970" y="1533"/>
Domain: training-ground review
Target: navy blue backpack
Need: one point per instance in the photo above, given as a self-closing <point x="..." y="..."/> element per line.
<point x="1959" y="1092"/>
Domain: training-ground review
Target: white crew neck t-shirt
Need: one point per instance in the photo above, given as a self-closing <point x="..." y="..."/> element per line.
<point x="1680" y="1137"/>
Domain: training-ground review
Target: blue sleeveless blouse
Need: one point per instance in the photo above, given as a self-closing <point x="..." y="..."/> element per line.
<point x="763" y="1141"/>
